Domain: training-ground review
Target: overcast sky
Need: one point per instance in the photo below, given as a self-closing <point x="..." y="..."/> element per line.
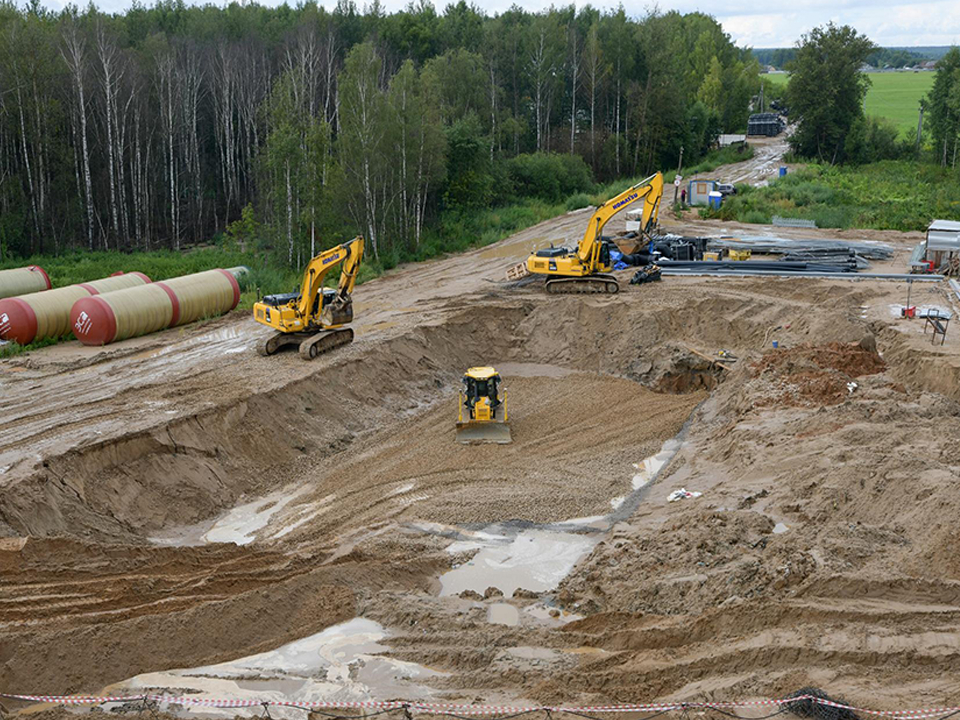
<point x="758" y="23"/>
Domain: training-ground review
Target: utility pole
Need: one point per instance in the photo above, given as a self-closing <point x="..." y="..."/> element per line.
<point x="919" y="128"/>
<point x="676" y="186"/>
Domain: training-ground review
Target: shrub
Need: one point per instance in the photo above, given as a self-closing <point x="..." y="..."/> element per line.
<point x="580" y="200"/>
<point x="549" y="176"/>
<point x="755" y="216"/>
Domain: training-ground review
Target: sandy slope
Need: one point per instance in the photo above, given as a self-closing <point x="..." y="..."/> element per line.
<point x="821" y="552"/>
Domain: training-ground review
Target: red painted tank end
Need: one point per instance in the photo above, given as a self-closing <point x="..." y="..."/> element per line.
<point x="141" y="275"/>
<point x="44" y="273"/>
<point x="18" y="321"/>
<point x="236" y="287"/>
<point x="118" y="273"/>
<point x="93" y="322"/>
<point x="174" y="300"/>
<point x="89" y="288"/>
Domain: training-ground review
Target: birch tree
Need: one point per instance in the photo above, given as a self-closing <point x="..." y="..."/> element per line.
<point x="75" y="55"/>
<point x="361" y="140"/>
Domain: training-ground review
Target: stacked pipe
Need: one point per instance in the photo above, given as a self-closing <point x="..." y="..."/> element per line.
<point x="46" y="314"/>
<point x="103" y="319"/>
<point x="779" y="266"/>
<point x="23" y="281"/>
<point x="771" y="245"/>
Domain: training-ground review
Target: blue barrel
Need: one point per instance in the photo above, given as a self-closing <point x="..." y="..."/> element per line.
<point x="783" y="171"/>
<point x="715" y="199"/>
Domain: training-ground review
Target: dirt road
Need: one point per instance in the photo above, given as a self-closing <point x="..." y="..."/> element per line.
<point x="175" y="502"/>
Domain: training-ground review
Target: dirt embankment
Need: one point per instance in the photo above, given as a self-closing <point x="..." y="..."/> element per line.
<point x="821" y="550"/>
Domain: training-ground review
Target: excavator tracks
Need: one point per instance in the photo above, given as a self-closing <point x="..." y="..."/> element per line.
<point x="325" y="342"/>
<point x="311" y="345"/>
<point x="594" y="284"/>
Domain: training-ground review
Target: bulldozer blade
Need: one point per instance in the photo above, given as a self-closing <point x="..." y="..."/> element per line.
<point x="479" y="433"/>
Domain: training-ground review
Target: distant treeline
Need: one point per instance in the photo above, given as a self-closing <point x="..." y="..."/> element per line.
<point x="883" y="57"/>
<point x="166" y="125"/>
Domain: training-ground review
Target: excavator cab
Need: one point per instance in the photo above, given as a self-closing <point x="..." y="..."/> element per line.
<point x="483" y="408"/>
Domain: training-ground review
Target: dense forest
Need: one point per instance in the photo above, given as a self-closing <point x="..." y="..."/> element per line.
<point x="166" y="126"/>
<point x="879" y="58"/>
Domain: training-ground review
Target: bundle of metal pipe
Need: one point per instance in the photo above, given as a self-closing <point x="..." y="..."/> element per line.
<point x="771" y="245"/>
<point x="104" y="319"/>
<point x="46" y="314"/>
<point x="700" y="272"/>
<point x="23" y="281"/>
<point x="779" y="266"/>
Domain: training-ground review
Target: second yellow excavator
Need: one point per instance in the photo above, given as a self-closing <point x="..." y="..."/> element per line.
<point x="314" y="318"/>
<point x="585" y="269"/>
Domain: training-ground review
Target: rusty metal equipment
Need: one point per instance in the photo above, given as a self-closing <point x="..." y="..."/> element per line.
<point x="103" y="319"/>
<point x="46" y="314"/>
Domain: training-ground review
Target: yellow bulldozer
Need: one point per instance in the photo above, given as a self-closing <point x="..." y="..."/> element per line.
<point x="483" y="408"/>
<point x="314" y="318"/>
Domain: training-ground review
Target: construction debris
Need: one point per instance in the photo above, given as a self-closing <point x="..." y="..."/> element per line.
<point x="649" y="273"/>
<point x="683" y="494"/>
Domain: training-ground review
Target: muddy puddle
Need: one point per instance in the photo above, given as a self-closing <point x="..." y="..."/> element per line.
<point x="345" y="662"/>
<point x="534" y="559"/>
<point x="267" y="518"/>
<point x="538" y="558"/>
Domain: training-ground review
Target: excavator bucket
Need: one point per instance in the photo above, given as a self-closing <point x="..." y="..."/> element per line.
<point x="477" y="433"/>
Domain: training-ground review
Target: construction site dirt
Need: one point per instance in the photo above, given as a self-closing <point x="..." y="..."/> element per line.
<point x="175" y="507"/>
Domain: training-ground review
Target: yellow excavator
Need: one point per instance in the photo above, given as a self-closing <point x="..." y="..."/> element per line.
<point x="483" y="408"/>
<point x="314" y="318"/>
<point x="585" y="269"/>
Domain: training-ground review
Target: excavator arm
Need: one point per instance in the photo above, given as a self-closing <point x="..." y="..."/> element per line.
<point x="348" y="255"/>
<point x="649" y="190"/>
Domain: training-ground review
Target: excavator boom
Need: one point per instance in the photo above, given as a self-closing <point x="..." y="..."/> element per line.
<point x="314" y="317"/>
<point x="649" y="190"/>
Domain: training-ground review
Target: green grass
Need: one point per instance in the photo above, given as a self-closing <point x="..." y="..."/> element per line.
<point x="896" y="96"/>
<point x="892" y="95"/>
<point x="890" y="195"/>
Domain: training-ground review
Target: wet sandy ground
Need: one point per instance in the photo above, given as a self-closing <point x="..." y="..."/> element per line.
<point x="177" y="501"/>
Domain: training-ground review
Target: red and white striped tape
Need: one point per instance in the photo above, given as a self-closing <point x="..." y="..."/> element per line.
<point x="471" y="709"/>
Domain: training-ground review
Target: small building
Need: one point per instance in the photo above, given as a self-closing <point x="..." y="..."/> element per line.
<point x="728" y="139"/>
<point x="942" y="243"/>
<point x="698" y="191"/>
<point x="766" y="124"/>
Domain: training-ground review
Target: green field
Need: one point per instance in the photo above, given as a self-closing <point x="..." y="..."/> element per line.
<point x="893" y="95"/>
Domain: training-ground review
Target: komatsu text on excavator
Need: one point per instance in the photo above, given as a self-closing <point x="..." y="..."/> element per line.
<point x="314" y="318"/>
<point x="584" y="270"/>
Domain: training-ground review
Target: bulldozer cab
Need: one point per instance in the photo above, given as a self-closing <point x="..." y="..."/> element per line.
<point x="483" y="408"/>
<point x="481" y="386"/>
